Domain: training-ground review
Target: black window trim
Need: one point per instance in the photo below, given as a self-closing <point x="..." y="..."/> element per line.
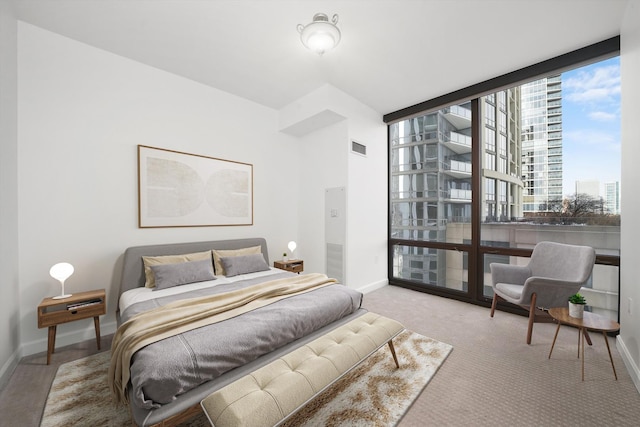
<point x="598" y="51"/>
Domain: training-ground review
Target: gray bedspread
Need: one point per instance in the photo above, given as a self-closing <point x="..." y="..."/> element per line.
<point x="162" y="371"/>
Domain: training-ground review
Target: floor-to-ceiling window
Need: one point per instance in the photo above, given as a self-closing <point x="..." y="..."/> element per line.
<point x="484" y="178"/>
<point x="431" y="194"/>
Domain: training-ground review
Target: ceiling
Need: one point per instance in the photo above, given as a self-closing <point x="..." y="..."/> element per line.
<point x="393" y="53"/>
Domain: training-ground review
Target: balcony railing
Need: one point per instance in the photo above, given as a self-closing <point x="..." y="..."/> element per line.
<point x="457" y="166"/>
<point x="407" y="196"/>
<point x="422" y="223"/>
<point x="458" y="111"/>
<point x="457" y="194"/>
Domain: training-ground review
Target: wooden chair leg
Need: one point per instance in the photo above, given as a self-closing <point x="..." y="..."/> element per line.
<point x="393" y="353"/>
<point x="532" y="316"/>
<point x="587" y="337"/>
<point x="493" y="303"/>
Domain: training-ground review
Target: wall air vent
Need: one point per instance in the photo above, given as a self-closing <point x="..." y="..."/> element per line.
<point x="358" y="148"/>
<point x="335" y="262"/>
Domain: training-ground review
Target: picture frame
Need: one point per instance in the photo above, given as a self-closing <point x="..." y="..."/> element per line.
<point x="177" y="189"/>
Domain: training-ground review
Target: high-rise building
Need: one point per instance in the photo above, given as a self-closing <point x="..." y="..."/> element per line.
<point x="612" y="197"/>
<point x="430" y="188"/>
<point x="431" y="172"/>
<point x="501" y="160"/>
<point x="541" y="112"/>
<point x="431" y="182"/>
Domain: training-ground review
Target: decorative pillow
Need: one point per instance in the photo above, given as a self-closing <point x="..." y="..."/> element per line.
<point x="219" y="253"/>
<point x="182" y="273"/>
<point x="243" y="264"/>
<point x="148" y="261"/>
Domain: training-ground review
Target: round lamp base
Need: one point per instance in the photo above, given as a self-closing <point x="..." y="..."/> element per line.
<point x="62" y="296"/>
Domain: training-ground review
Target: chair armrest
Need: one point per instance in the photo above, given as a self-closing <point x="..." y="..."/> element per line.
<point x="507" y="273"/>
<point x="547" y="282"/>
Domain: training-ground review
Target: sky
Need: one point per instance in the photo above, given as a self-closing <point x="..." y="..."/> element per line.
<point x="591" y="124"/>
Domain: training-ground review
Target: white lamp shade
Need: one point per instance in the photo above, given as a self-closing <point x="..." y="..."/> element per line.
<point x="321" y="34"/>
<point x="61" y="271"/>
<point x="320" y="39"/>
<point x="292" y="246"/>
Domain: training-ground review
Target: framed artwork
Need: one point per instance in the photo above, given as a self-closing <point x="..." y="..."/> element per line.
<point x="178" y="189"/>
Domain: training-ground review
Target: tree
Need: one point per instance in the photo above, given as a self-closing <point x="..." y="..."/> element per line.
<point x="579" y="208"/>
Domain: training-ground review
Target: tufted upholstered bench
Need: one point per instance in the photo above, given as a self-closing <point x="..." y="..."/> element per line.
<point x="272" y="393"/>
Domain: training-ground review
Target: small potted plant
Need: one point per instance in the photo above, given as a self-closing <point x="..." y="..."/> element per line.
<point x="284" y="257"/>
<point x="576" y="306"/>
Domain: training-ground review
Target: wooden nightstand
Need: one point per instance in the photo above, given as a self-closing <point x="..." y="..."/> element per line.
<point x="293" y="265"/>
<point x="83" y="305"/>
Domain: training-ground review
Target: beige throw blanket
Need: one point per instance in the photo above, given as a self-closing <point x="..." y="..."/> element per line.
<point x="185" y="315"/>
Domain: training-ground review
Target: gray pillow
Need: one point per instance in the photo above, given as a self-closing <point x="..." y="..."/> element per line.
<point x="242" y="264"/>
<point x="182" y="273"/>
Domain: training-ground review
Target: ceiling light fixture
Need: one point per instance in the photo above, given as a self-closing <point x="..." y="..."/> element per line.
<point x="320" y="35"/>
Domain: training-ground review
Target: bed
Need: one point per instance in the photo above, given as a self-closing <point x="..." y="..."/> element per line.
<point x="170" y="375"/>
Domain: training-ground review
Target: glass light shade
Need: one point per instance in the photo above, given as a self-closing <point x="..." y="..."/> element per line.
<point x="292" y="247"/>
<point x="61" y="271"/>
<point x="320" y="35"/>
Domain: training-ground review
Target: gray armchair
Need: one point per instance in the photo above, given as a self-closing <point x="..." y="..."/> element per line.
<point x="554" y="273"/>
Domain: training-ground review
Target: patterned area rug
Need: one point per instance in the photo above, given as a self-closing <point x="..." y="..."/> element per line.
<point x="373" y="394"/>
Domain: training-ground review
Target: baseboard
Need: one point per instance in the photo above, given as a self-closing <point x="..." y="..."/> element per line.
<point x="632" y="368"/>
<point x="373" y="286"/>
<point x="68" y="338"/>
<point x="8" y="368"/>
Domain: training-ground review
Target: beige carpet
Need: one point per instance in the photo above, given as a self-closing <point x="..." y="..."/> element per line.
<point x="492" y="378"/>
<point x="374" y="394"/>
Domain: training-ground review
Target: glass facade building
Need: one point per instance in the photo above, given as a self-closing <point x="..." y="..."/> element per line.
<point x="430" y="190"/>
<point x="502" y="156"/>
<point x="541" y="143"/>
<point x="431" y="173"/>
<point x="431" y="187"/>
<point x="612" y="197"/>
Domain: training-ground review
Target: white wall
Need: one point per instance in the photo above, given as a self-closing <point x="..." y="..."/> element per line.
<point x="328" y="163"/>
<point x="81" y="114"/>
<point x="82" y="111"/>
<point x="9" y="290"/>
<point x="324" y="160"/>
<point x="367" y="227"/>
<point x="629" y="338"/>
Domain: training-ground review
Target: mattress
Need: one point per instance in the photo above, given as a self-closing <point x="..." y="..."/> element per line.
<point x="162" y="371"/>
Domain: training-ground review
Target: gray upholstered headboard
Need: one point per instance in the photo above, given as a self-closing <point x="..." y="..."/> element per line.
<point x="133" y="268"/>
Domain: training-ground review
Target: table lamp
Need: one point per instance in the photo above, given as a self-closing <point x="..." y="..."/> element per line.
<point x="61" y="272"/>
<point x="292" y="247"/>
